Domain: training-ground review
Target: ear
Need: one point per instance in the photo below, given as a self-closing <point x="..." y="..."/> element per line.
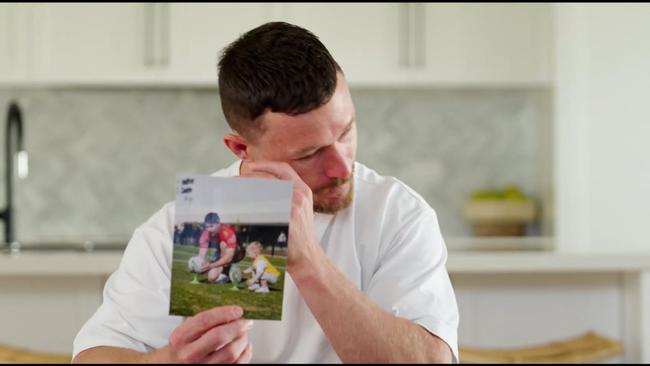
<point x="238" y="145"/>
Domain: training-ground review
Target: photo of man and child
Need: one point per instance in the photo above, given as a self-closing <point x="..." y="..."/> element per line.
<point x="230" y="245"/>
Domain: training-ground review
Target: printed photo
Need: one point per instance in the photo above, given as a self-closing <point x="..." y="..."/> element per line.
<point x="230" y="245"/>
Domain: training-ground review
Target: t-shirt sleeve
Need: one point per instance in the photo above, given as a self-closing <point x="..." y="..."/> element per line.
<point x="134" y="313"/>
<point x="411" y="278"/>
<point x="228" y="236"/>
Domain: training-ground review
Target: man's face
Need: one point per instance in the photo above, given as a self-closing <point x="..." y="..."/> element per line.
<point x="212" y="228"/>
<point x="320" y="146"/>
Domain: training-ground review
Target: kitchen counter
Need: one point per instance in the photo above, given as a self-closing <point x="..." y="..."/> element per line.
<point x="459" y="262"/>
<point x="544" y="262"/>
<point x="75" y="279"/>
<point x="59" y="263"/>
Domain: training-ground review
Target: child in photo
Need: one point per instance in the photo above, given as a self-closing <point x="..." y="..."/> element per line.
<point x="262" y="270"/>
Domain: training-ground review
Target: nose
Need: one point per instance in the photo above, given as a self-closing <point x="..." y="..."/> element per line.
<point x="337" y="165"/>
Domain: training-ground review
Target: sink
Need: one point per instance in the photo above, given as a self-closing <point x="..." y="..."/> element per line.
<point x="85" y="247"/>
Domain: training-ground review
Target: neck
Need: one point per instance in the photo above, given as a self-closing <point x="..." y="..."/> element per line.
<point x="243" y="167"/>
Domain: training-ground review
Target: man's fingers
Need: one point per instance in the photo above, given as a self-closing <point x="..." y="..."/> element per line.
<point x="215" y="339"/>
<point x="195" y="326"/>
<point x="259" y="174"/>
<point x="247" y="355"/>
<point x="229" y="353"/>
<point x="277" y="169"/>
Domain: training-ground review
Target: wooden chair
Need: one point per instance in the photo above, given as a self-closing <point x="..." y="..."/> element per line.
<point x="10" y="354"/>
<point x="589" y="347"/>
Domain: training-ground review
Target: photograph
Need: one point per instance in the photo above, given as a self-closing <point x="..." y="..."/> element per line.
<point x="325" y="183"/>
<point x="230" y="245"/>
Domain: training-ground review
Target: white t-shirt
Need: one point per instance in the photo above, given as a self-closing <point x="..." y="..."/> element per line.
<point x="387" y="243"/>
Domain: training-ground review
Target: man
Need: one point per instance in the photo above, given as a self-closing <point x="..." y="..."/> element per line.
<point x="366" y="261"/>
<point x="282" y="241"/>
<point x="222" y="237"/>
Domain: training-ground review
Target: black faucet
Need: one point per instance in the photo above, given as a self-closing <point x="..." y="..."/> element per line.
<point x="14" y="118"/>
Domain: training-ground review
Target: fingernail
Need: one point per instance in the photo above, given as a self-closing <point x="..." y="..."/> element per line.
<point x="248" y="325"/>
<point x="239" y="312"/>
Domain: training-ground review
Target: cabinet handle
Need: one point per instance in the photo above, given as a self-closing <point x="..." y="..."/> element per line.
<point x="419" y="34"/>
<point x="412" y="35"/>
<point x="149" y="44"/>
<point x="404" y="35"/>
<point x="164" y="34"/>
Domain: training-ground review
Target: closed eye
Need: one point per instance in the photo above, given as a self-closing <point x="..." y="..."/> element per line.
<point x="347" y="129"/>
<point x="307" y="157"/>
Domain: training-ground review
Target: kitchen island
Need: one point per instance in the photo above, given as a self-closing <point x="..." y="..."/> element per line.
<point x="506" y="298"/>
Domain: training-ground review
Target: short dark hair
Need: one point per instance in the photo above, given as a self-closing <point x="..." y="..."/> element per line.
<point x="212" y="218"/>
<point x="277" y="66"/>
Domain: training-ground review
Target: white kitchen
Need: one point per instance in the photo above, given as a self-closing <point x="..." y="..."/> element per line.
<point x="523" y="125"/>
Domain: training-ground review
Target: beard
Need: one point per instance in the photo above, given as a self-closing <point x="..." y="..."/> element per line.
<point x="332" y="205"/>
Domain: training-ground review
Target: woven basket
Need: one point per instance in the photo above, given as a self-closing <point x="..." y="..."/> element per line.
<point x="499" y="217"/>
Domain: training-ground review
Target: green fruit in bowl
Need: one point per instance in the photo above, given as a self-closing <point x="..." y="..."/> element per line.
<point x="487" y="194"/>
<point x="513" y="193"/>
<point x="510" y="192"/>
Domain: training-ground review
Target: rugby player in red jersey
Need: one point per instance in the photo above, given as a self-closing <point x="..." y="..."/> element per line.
<point x="223" y="238"/>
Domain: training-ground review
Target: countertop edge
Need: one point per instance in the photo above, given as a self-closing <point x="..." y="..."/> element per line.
<point x="458" y="262"/>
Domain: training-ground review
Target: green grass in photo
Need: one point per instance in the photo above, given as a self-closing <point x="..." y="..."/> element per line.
<point x="188" y="299"/>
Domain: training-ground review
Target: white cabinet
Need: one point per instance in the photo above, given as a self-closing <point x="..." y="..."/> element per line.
<point x="120" y="43"/>
<point x="83" y="42"/>
<point x="363" y="38"/>
<point x="14" y="42"/>
<point x="6" y="61"/>
<point x="179" y="44"/>
<point x="433" y="44"/>
<point x="198" y="32"/>
<point x="487" y="43"/>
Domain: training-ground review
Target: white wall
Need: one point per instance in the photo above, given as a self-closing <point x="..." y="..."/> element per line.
<point x="602" y="127"/>
<point x="45" y="313"/>
<point x="524" y="309"/>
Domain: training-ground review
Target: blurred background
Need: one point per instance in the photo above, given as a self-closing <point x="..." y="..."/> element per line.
<point x="524" y="125"/>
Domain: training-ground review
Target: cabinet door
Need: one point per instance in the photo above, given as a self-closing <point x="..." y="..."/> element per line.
<point x="363" y="38"/>
<point x="89" y="42"/>
<point x="7" y="32"/>
<point x="488" y="43"/>
<point x="199" y="31"/>
<point x="15" y="60"/>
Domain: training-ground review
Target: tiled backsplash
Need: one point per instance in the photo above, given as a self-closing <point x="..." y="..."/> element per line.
<point x="102" y="160"/>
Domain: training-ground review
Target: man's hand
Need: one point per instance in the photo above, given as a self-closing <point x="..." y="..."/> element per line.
<point x="218" y="335"/>
<point x="303" y="244"/>
<point x="207" y="267"/>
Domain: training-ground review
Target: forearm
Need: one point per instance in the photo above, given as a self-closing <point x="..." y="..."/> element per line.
<point x="359" y="330"/>
<point x="105" y="354"/>
<point x="202" y="253"/>
<point x="256" y="277"/>
<point x="222" y="261"/>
